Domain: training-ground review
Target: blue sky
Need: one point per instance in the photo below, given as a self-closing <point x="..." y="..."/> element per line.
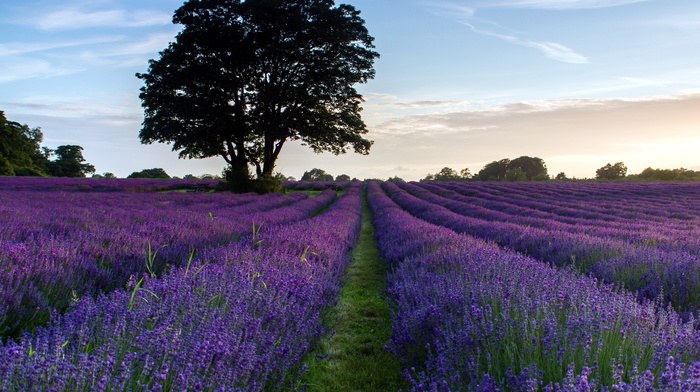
<point x="460" y="83"/>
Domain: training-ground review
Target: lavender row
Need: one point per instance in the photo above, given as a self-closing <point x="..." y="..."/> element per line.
<point x="316" y="185"/>
<point x="649" y="271"/>
<point x="470" y="316"/>
<point x="648" y="201"/>
<point x="676" y="246"/>
<point x="667" y="235"/>
<point x="91" y="184"/>
<point x="239" y="317"/>
<point x="555" y="208"/>
<point x="56" y="246"/>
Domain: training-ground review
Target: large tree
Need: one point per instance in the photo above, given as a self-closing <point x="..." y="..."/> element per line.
<point x="244" y="77"/>
<point x="20" y="150"/>
<point x="316" y="174"/>
<point x="523" y="168"/>
<point x="533" y="168"/>
<point x="69" y="162"/>
<point x="156" y="172"/>
<point x="611" y="172"/>
<point x="494" y="171"/>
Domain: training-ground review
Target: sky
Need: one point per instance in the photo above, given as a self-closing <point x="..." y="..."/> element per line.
<point x="460" y="83"/>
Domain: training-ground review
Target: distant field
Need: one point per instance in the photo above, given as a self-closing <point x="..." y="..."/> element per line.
<point x="113" y="285"/>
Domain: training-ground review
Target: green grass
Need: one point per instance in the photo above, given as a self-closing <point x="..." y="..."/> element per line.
<point x="353" y="358"/>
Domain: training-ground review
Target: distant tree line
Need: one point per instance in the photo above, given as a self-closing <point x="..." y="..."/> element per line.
<point x="448" y="175"/>
<point x="320" y="175"/>
<point x="526" y="168"/>
<point x="681" y="174"/>
<point x="21" y="154"/>
<point x="523" y="168"/>
<point x="156" y="173"/>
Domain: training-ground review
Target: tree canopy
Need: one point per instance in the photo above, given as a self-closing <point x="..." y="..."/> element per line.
<point x="20" y="149"/>
<point x="523" y="168"/>
<point x="448" y="174"/>
<point x="21" y="154"/>
<point x="69" y="162"/>
<point x="316" y="174"/>
<point x="342" y="178"/>
<point x="156" y="172"/>
<point x="244" y="77"/>
<point x="681" y="174"/>
<point x="611" y="172"/>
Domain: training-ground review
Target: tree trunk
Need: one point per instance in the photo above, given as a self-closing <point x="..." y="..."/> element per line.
<point x="237" y="176"/>
<point x="272" y="152"/>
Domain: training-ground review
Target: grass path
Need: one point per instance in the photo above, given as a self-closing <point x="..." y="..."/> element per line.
<point x="353" y="358"/>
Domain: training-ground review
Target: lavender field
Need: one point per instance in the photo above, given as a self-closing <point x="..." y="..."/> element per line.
<point x="127" y="285"/>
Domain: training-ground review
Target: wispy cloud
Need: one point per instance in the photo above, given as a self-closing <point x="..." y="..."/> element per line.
<point x="11" y="71"/>
<point x="105" y="109"/>
<point x="22" y="61"/>
<point x="558" y="4"/>
<point x="15" y="48"/>
<point x="466" y="16"/>
<point x="422" y="104"/>
<point x="600" y="130"/>
<point x="74" y="18"/>
<point x="552" y="111"/>
<point x="149" y="44"/>
<point x="556" y="51"/>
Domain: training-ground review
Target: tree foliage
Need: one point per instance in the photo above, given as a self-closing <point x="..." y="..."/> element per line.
<point x="69" y="162"/>
<point x="20" y="149"/>
<point x="156" y="172"/>
<point x="447" y="174"/>
<point x="681" y="174"/>
<point x="611" y="172"/>
<point x="316" y="175"/>
<point x="494" y="171"/>
<point x="533" y="168"/>
<point x="244" y="77"/>
<point x="21" y="154"/>
<point x="523" y="168"/>
<point x="561" y="176"/>
<point x="107" y="175"/>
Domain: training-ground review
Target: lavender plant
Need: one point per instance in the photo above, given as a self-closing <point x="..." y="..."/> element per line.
<point x="669" y="271"/>
<point x="57" y="245"/>
<point x="472" y="316"/>
<point x="236" y="317"/>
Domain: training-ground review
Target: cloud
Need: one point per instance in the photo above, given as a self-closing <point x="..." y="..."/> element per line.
<point x="150" y="44"/>
<point x="466" y="16"/>
<point x="27" y="60"/>
<point x="600" y="130"/>
<point x="422" y="104"/>
<point x="11" y="71"/>
<point x="95" y="107"/>
<point x="556" y="51"/>
<point x="15" y="48"/>
<point x="372" y="96"/>
<point x="559" y="4"/>
<point x="73" y="19"/>
<point x="528" y="113"/>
